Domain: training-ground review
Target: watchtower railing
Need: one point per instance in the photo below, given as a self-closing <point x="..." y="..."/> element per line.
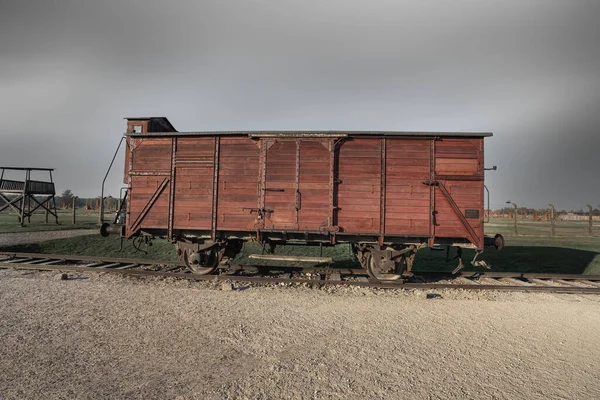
<point x="10" y="186"/>
<point x="23" y="196"/>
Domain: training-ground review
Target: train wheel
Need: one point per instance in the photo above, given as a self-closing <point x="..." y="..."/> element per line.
<point x="375" y="268"/>
<point x="201" y="263"/>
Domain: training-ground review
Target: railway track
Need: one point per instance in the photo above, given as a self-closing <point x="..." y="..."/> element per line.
<point x="261" y="274"/>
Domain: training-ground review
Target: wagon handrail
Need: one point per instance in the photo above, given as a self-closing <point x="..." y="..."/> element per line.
<point x="104" y="180"/>
<point x="488" y="205"/>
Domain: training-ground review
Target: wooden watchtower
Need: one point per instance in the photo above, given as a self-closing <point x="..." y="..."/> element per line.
<point x="21" y="195"/>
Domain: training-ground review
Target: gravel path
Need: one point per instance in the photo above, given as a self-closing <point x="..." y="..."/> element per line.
<point x="8" y="239"/>
<point x="101" y="336"/>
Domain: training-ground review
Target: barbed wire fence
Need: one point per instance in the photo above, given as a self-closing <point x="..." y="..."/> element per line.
<point x="546" y="221"/>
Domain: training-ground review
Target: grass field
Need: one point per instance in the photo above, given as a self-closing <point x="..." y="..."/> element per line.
<point x="96" y="245"/>
<point x="9" y="222"/>
<point x="524" y="253"/>
<point x="540" y="228"/>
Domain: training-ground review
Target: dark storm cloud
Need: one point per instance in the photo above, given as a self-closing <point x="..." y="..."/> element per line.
<point x="69" y="71"/>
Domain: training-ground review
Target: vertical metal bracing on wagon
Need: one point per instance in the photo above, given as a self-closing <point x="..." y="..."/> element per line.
<point x="298" y="194"/>
<point x="432" y="211"/>
<point x="332" y="180"/>
<point x="215" y="187"/>
<point x="383" y="185"/>
<point x="172" y="188"/>
<point x="129" y="178"/>
<point x="27" y="201"/>
<point x="262" y="171"/>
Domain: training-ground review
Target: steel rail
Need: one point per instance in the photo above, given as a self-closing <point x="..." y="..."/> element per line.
<point x="7" y="254"/>
<point x="135" y="267"/>
<point x="516" y="275"/>
<point x="434" y="274"/>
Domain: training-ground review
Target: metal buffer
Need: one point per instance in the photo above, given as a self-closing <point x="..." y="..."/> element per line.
<point x="20" y="196"/>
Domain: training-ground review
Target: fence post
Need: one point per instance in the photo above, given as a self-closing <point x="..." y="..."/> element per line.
<point x="591" y="227"/>
<point x="74" y="206"/>
<point x="553" y="227"/>
<point x="516" y="216"/>
<point x="47" y="207"/>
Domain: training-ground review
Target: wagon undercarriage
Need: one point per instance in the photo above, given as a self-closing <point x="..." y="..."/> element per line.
<point x="391" y="260"/>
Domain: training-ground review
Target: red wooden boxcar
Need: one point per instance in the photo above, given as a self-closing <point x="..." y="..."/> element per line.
<point x="387" y="193"/>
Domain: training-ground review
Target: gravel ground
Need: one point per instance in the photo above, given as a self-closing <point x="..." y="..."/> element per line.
<point x="8" y="239"/>
<point x="104" y="336"/>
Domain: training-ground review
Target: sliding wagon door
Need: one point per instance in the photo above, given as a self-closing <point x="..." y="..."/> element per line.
<point x="280" y="184"/>
<point x="297" y="184"/>
<point x="314" y="191"/>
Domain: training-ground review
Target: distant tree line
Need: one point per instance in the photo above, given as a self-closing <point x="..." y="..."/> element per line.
<point x="540" y="211"/>
<point x="65" y="201"/>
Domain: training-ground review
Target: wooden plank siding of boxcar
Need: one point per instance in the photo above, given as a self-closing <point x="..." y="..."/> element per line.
<point x="280" y="184"/>
<point x="461" y="160"/>
<point x="407" y="199"/>
<point x="238" y="187"/>
<point x="194" y="173"/>
<point x="292" y="180"/>
<point x="297" y="184"/>
<point x="150" y="165"/>
<point x="314" y="212"/>
<point x="359" y="186"/>
<point x="407" y="208"/>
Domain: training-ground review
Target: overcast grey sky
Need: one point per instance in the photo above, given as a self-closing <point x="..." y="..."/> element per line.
<point x="527" y="71"/>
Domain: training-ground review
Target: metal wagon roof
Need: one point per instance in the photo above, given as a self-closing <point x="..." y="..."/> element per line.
<point x="158" y="122"/>
<point x="324" y="133"/>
